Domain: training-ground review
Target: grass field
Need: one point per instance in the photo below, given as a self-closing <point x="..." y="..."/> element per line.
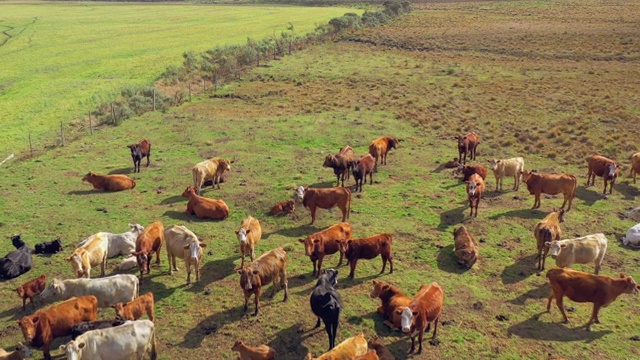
<point x="63" y="59"/>
<point x="475" y="70"/>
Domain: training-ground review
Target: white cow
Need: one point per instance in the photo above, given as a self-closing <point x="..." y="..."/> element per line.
<point x="507" y="167"/>
<point x="128" y="263"/>
<point x="184" y="244"/>
<point x="632" y="239"/>
<point x="109" y="290"/>
<point x="93" y="252"/>
<point x="582" y="250"/>
<point x="119" y="244"/>
<point x="133" y="339"/>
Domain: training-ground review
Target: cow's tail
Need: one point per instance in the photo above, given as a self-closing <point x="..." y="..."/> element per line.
<point x="575" y="185"/>
<point x="154" y="351"/>
<point x="348" y="202"/>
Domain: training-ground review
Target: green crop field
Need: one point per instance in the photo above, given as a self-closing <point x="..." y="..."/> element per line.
<point x="62" y="59"/>
<point x="529" y="79"/>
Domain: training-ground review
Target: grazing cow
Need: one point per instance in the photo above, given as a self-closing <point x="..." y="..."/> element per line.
<point x="119" y="244"/>
<point x="582" y="250"/>
<point x="18" y="261"/>
<point x="507" y="167"/>
<point x="326" y="199"/>
<point x="548" y="230"/>
<point x="632" y="239"/>
<point x="92" y="253"/>
<point x="203" y="207"/>
<point x="288" y="207"/>
<point x="468" y="170"/>
<point x="425" y="308"/>
<point x="368" y="248"/>
<point x="381" y="350"/>
<point x="583" y="287"/>
<point x="138" y="151"/>
<point x="109" y="182"/>
<point x="635" y="166"/>
<point x="183" y="243"/>
<point x="467" y="145"/>
<point x="475" y="188"/>
<point x="134" y="309"/>
<point x="269" y="267"/>
<point x="380" y="148"/>
<point x="49" y="247"/>
<point x="211" y="169"/>
<point x="465" y="247"/>
<point x="326" y="304"/>
<point x="249" y="235"/>
<point x="30" y="289"/>
<point x="20" y="352"/>
<point x="369" y="355"/>
<point x="262" y="352"/>
<point x="347" y="350"/>
<point x="361" y="168"/>
<point x="108" y="290"/>
<point x="83" y="327"/>
<point x="55" y="321"/>
<point x="133" y="339"/>
<point x="128" y="263"/>
<point x="340" y="163"/>
<point x="149" y="241"/>
<point x="552" y="184"/>
<point x="393" y="302"/>
<point x="602" y="166"/>
<point x="325" y="242"/>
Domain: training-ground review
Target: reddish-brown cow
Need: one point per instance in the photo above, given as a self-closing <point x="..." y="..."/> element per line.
<point x="269" y="267"/>
<point x="393" y="302"/>
<point x="149" y="241"/>
<point x="325" y="242"/>
<point x="361" y="168"/>
<point x="326" y="199"/>
<point x="109" y="182"/>
<point x="635" y="166"/>
<point x="288" y="207"/>
<point x="381" y="350"/>
<point x="370" y="355"/>
<point x="468" y="170"/>
<point x="203" y="207"/>
<point x="138" y="151"/>
<point x="465" y="246"/>
<point x="133" y="310"/>
<point x="425" y="308"/>
<point x="340" y="163"/>
<point x="552" y="184"/>
<point x="368" y="248"/>
<point x="30" y="289"/>
<point x="475" y="188"/>
<point x="606" y="168"/>
<point x="467" y="145"/>
<point x="379" y="148"/>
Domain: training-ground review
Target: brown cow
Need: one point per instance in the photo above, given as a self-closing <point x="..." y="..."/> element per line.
<point x="584" y="287"/>
<point x="467" y="145"/>
<point x="138" y="151"/>
<point x="547" y="230"/>
<point x="340" y="163"/>
<point x="149" y="241"/>
<point x="552" y="184"/>
<point x="361" y="168"/>
<point x="606" y="168"/>
<point x="133" y="310"/>
<point x="40" y="328"/>
<point x="381" y="350"/>
<point x="380" y="148"/>
<point x="468" y="170"/>
<point x="203" y="207"/>
<point x="393" y="302"/>
<point x="288" y="207"/>
<point x="368" y="248"/>
<point x="262" y="352"/>
<point x="110" y="182"/>
<point x="326" y="199"/>
<point x="466" y="247"/>
<point x="475" y="188"/>
<point x="30" y="289"/>
<point x="325" y="242"/>
<point x="269" y="267"/>
<point x="249" y="235"/>
<point x="635" y="166"/>
<point x="425" y="308"/>
<point x="370" y="355"/>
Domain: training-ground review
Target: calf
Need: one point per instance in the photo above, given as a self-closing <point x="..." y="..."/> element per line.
<point x="211" y="169"/>
<point x="552" y="184"/>
<point x="148" y="242"/>
<point x="20" y="352"/>
<point x="467" y="145"/>
<point x="425" y="308"/>
<point x="108" y="290"/>
<point x="325" y="242"/>
<point x="270" y="267"/>
<point x="134" y="309"/>
<point x="382" y="352"/>
<point x="83" y="327"/>
<point x="203" y="207"/>
<point x="602" y="166"/>
<point x="379" y="148"/>
<point x="583" y="287"/>
<point x="262" y="352"/>
<point x="635" y="166"/>
<point x="326" y="304"/>
<point x="347" y="350"/>
<point x="363" y="167"/>
<point x="326" y="199"/>
<point x="30" y="289"/>
<point x="465" y="247"/>
<point x="632" y="239"/>
<point x="393" y="301"/>
<point x="475" y="188"/>
<point x="288" y="207"/>
<point x="340" y="163"/>
<point x="369" y="355"/>
<point x="18" y="261"/>
<point x="138" y="151"/>
<point x="109" y="182"/>
<point x="184" y="244"/>
<point x="368" y="248"/>
<point x="468" y="170"/>
<point x="582" y="250"/>
<point x="249" y="235"/>
<point x="118" y="244"/>
<point x="92" y="253"/>
<point x="49" y="247"/>
<point x="547" y="230"/>
<point x="507" y="167"/>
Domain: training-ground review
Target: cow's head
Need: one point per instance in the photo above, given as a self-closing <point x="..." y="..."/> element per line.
<point x="526" y="175"/>
<point x="23" y="350"/>
<point x="195" y="250"/>
<point x="28" y="325"/>
<point x="343" y="245"/>
<point x="17" y="241"/>
<point x="308" y="244"/>
<point x="560" y="214"/>
<point x="299" y="193"/>
<point x="189" y="192"/>
<point x="20" y="291"/>
<point x="242" y="235"/>
<point x="225" y="164"/>
<point x="555" y="247"/>
<point x="78" y="262"/>
<point x="136" y="152"/>
<point x="289" y="206"/>
<point x="329" y="161"/>
<point x="466" y="257"/>
<point x="136" y="229"/>
<point x="73" y="349"/>
<point x="394" y="142"/>
<point x="57" y="245"/>
<point x="249" y="277"/>
<point x="330" y="276"/>
<point x="119" y="308"/>
<point x="612" y="168"/>
<point x="238" y="345"/>
<point x="55" y="288"/>
<point x="493" y="163"/>
<point x="472" y="187"/>
<point x="407" y="318"/>
<point x="459" y="230"/>
<point x="90" y="175"/>
<point x="631" y="286"/>
<point x="461" y="140"/>
<point x="378" y="288"/>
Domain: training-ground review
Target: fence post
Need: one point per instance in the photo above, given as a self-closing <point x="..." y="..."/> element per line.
<point x="215" y="79"/>
<point x="204" y="87"/>
<point x="113" y="115"/>
<point x="189" y="92"/>
<point x="154" y="99"/>
<point x="30" y="146"/>
<point x="62" y="134"/>
<point x="90" y="124"/>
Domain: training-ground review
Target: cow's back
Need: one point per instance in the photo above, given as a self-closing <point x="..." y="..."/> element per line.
<point x="60" y="318"/>
<point x="588" y="248"/>
<point x="177" y="237"/>
<point x="120" y="342"/>
<point x="271" y="264"/>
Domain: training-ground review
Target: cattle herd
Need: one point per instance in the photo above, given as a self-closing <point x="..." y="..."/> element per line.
<point x="127" y="336"/>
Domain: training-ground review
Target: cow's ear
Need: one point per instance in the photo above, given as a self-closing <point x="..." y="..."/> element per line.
<point x="81" y="345"/>
<point x="35" y="319"/>
<point x="202" y="245"/>
<point x="301" y="240"/>
<point x="237" y="232"/>
<point x="622" y="276"/>
<point x="69" y="258"/>
<point x="415" y="313"/>
<point x="316" y="241"/>
<point x="239" y="271"/>
<point x="398" y="311"/>
<point x="63" y="347"/>
<point x="547" y="244"/>
<point x="248" y="231"/>
<point x="349" y="241"/>
<point x="255" y="272"/>
<point x="231" y="162"/>
<point x="563" y="245"/>
<point x="375" y="282"/>
<point x="186" y="247"/>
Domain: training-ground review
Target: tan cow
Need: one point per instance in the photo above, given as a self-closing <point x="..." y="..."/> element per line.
<point x="211" y="169"/>
<point x="184" y="244"/>
<point x="548" y="230"/>
<point x="326" y="199"/>
<point x="582" y="250"/>
<point x="346" y="350"/>
<point x="249" y="235"/>
<point x="635" y="166"/>
<point x="466" y="247"/>
<point x="552" y="184"/>
<point x="606" y="168"/>
<point x="261" y="352"/>
<point x="507" y="167"/>
<point x="379" y="148"/>
<point x="269" y="267"/>
<point x="93" y="253"/>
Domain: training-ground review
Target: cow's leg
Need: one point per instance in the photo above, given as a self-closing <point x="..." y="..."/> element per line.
<point x="551" y="296"/>
<point x="149" y="263"/>
<point x="319" y="266"/>
<point x="341" y="257"/>
<point x="353" y="268"/>
<point x="343" y="208"/>
<point x="169" y="261"/>
<point x="252" y="254"/>
<point x="370" y="178"/>
<point x="312" y="209"/>
<point x="284" y="284"/>
<point x="497" y="181"/>
<point x="413" y="344"/>
<point x="188" y="273"/>
<point x="390" y="263"/>
<point x="560" y="306"/>
<point x="157" y="256"/>
<point x="175" y="267"/>
<point x="420" y="336"/>
<point x="317" y="324"/>
<point x="435" y="331"/>
<point x="246" y="301"/>
<point x="605" y="185"/>
<point x="256" y="301"/>
<point x="46" y="351"/>
<point x="515" y="182"/>
<point x="536" y="203"/>
<point x="314" y="267"/>
<point x="375" y="165"/>
<point x="594" y="316"/>
<point x="384" y="264"/>
<point x="24" y="302"/>
<point x="149" y="157"/>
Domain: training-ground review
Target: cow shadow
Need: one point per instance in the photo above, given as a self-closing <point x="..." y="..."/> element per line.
<point x="213" y="271"/>
<point x="300" y="231"/>
<point x="87" y="192"/>
<point x="378" y="324"/>
<point x="627" y="190"/>
<point x="301" y="280"/>
<point x="16" y="313"/>
<point x="194" y="337"/>
<point x="535" y="329"/>
<point x="588" y="196"/>
<point x="123" y="171"/>
<point x="172" y="200"/>
<point x="521" y="269"/>
<point x="521" y="213"/>
<point x="289" y="341"/>
<point x="540" y="292"/>
<point x="324" y="184"/>
<point x="451" y="217"/>
<point x="447" y="261"/>
<point x="159" y="288"/>
<point x="183" y="216"/>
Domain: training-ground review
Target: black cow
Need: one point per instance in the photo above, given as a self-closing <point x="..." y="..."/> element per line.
<point x="16" y="262"/>
<point x="83" y="327"/>
<point x="326" y="303"/>
<point x="49" y="247"/>
<point x="138" y="151"/>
